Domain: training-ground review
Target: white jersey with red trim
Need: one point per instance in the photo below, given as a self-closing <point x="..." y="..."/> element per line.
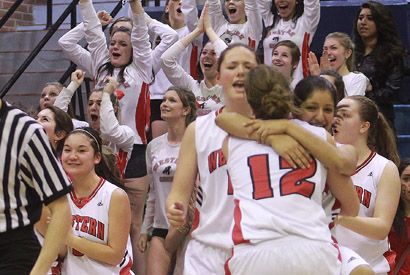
<point x="90" y="221"/>
<point x="216" y="210"/>
<point x="289" y="30"/>
<point x="248" y="33"/>
<point x="366" y="180"/>
<point x="161" y="159"/>
<point x="272" y="199"/>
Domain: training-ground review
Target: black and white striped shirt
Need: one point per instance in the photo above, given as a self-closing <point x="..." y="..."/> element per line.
<point x="29" y="172"/>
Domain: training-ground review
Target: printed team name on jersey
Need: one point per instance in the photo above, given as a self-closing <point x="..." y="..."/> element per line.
<point x="88" y="225"/>
<point x="216" y="159"/>
<point x="289" y="32"/>
<point x="364" y="195"/>
<point x="162" y="162"/>
<point x="233" y="33"/>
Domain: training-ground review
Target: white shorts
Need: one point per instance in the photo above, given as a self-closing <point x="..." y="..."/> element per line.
<point x="289" y="255"/>
<point x="350" y="260"/>
<point x="202" y="259"/>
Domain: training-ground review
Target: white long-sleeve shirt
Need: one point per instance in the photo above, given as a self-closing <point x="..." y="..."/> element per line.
<point x="208" y="98"/>
<point x="289" y="30"/>
<point x="63" y="100"/>
<point x="188" y="60"/>
<point x="248" y="33"/>
<point x="82" y="58"/>
<point x="134" y="104"/>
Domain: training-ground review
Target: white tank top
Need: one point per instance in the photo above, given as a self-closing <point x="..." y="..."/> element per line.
<point x="90" y="221"/>
<point x="366" y="180"/>
<point x="273" y="200"/>
<point x="216" y="210"/>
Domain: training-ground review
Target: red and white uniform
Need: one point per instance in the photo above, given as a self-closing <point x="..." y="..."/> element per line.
<point x="209" y="99"/>
<point x="134" y="105"/>
<point x="90" y="221"/>
<point x="289" y="30"/>
<point x="274" y="202"/>
<point x="211" y="243"/>
<point x="248" y="33"/>
<point x="161" y="164"/>
<point x="366" y="180"/>
<point x="188" y="59"/>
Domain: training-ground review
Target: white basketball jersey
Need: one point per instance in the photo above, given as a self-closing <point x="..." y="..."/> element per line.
<point x="90" y="221"/>
<point x="272" y="199"/>
<point x="161" y="163"/>
<point x="216" y="210"/>
<point x="366" y="180"/>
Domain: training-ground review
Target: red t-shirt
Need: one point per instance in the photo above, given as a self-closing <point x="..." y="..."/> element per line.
<point x="399" y="245"/>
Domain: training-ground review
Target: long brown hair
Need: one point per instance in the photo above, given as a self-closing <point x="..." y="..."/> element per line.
<point x="380" y="137"/>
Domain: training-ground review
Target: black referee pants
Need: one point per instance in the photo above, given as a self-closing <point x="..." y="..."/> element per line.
<point x="19" y="250"/>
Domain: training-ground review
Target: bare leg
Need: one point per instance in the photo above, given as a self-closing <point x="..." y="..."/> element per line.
<point x="362" y="270"/>
<point x="159" y="260"/>
<point x="137" y="189"/>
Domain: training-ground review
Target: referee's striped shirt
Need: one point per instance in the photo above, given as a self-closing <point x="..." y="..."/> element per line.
<point x="29" y="172"/>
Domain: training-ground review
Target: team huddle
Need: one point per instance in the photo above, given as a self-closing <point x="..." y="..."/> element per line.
<point x="229" y="167"/>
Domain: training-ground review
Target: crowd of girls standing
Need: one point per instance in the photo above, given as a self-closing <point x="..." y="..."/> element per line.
<point x="297" y="147"/>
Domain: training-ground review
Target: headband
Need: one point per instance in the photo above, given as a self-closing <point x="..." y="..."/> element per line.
<point x="88" y="134"/>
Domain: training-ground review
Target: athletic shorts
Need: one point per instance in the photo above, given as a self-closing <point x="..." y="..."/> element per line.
<point x="288" y="255"/>
<point x="159" y="232"/>
<point x="350" y="260"/>
<point x="155" y="109"/>
<point x="136" y="165"/>
<point x="19" y="250"/>
<point x="202" y="259"/>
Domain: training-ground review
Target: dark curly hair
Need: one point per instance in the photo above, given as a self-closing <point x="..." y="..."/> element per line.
<point x="389" y="48"/>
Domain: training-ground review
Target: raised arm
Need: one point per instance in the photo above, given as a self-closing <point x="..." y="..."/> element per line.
<point x="141" y="47"/>
<point x="387" y="199"/>
<point x="311" y="15"/>
<point x="168" y="38"/>
<point x="265" y="11"/>
<point x="121" y="135"/>
<point x="217" y="17"/>
<point x="173" y="70"/>
<point x="97" y="44"/>
<point x="254" y="26"/>
<point x="218" y="43"/>
<point x="75" y="52"/>
<point x="64" y="97"/>
<point x="184" y="179"/>
<point x="119" y="219"/>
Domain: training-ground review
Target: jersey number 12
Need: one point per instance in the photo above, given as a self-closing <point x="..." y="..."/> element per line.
<point x="292" y="182"/>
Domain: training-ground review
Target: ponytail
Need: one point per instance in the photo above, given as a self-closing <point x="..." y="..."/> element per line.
<point x="380" y="137"/>
<point x="385" y="140"/>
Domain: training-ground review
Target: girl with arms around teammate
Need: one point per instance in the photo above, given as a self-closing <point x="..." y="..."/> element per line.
<point x="265" y="183"/>
<point x="200" y="154"/>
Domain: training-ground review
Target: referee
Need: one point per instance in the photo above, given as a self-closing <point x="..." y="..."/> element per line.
<point x="29" y="176"/>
